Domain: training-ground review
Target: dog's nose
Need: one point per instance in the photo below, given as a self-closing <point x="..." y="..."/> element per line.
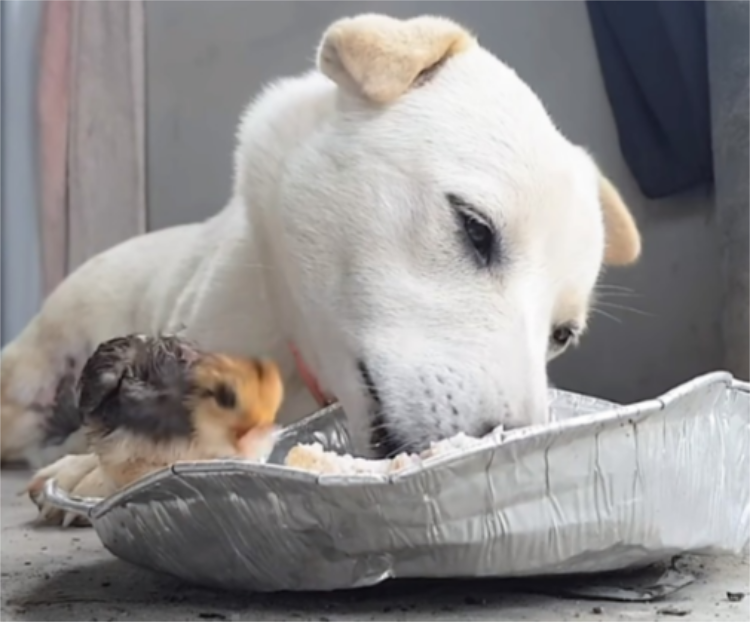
<point x="534" y="409"/>
<point x="486" y="428"/>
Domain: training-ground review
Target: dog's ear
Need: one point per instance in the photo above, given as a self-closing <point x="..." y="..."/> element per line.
<point x="380" y="57"/>
<point x="623" y="240"/>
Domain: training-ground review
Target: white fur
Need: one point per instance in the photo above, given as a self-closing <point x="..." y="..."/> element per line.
<point x="340" y="239"/>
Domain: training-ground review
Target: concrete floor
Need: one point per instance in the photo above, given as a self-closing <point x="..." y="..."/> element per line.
<point x="53" y="574"/>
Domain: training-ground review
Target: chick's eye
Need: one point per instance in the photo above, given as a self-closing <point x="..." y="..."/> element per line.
<point x="480" y="236"/>
<point x="562" y="335"/>
<point x="225" y="396"/>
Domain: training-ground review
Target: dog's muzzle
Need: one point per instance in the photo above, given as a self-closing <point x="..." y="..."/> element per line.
<point x="383" y="441"/>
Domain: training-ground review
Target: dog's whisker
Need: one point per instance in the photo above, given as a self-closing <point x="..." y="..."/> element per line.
<point x="613" y="305"/>
<point x="614" y="287"/>
<point x="617" y="294"/>
<point x="614" y="318"/>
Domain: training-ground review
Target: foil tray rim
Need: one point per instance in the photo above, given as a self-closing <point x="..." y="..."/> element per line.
<point x="636" y="412"/>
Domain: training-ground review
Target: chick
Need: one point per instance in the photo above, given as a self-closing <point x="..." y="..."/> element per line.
<point x="148" y="402"/>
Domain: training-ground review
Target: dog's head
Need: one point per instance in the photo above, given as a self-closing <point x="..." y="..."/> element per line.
<point x="446" y="237"/>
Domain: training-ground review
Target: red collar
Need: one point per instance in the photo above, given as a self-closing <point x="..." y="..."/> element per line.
<point x="311" y="382"/>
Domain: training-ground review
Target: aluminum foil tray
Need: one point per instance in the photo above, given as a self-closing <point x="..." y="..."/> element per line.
<point x="603" y="487"/>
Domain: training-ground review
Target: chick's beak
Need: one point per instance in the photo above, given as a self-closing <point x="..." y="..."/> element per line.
<point x="240" y="429"/>
<point x="257" y="443"/>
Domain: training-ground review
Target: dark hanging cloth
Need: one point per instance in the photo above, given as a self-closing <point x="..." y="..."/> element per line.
<point x="654" y="63"/>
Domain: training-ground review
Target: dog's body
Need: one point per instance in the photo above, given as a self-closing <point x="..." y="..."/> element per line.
<point x="163" y="282"/>
<point x="408" y="217"/>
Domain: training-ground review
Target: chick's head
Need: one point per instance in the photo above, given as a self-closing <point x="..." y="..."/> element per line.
<point x="231" y="396"/>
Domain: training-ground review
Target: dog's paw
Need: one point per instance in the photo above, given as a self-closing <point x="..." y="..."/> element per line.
<point x="76" y="475"/>
<point x="21" y="432"/>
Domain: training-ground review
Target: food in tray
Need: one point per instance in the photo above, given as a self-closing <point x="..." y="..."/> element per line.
<point x="314" y="458"/>
<point x="148" y="402"/>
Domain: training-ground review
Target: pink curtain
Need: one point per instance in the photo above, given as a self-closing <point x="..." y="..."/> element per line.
<point x="91" y="107"/>
<point x="54" y="76"/>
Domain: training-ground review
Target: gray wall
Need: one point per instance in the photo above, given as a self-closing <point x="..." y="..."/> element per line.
<point x="19" y="241"/>
<point x="728" y="44"/>
<point x="206" y="59"/>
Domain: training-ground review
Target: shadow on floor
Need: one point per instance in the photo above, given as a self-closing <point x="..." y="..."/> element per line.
<point x="115" y="590"/>
<point x="120" y="587"/>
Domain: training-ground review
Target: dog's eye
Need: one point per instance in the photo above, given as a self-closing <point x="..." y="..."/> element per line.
<point x="480" y="236"/>
<point x="478" y="233"/>
<point x="562" y="336"/>
<point x="225" y="396"/>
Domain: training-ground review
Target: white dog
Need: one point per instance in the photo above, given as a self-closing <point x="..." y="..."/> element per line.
<point x="407" y="216"/>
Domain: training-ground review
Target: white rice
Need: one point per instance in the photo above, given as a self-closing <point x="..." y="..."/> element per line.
<point x="314" y="458"/>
